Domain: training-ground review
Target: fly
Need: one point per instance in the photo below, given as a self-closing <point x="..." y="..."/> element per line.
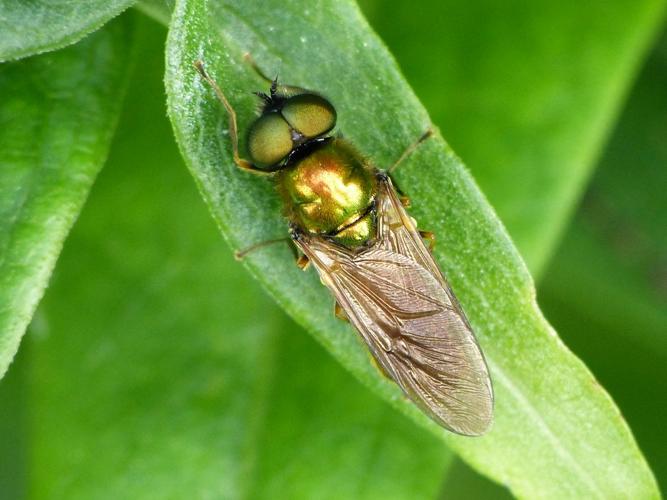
<point x="347" y="219"/>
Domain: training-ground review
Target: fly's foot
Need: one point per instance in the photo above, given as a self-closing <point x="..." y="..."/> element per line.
<point x="339" y="312"/>
<point x="303" y="262"/>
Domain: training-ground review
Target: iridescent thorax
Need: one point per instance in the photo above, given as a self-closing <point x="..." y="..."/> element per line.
<point x="330" y="192"/>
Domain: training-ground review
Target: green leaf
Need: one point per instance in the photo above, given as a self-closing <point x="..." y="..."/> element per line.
<point x="157" y="368"/>
<point x="556" y="433"/>
<point x="525" y="91"/>
<point x="158" y="10"/>
<point x="57" y="117"/>
<point x="30" y="27"/>
<point x="530" y="115"/>
<point x="13" y="449"/>
<point x="607" y="284"/>
<point x="463" y="483"/>
<point x="616" y="321"/>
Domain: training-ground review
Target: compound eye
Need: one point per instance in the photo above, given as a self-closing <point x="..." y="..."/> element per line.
<point x="309" y="114"/>
<point x="269" y="140"/>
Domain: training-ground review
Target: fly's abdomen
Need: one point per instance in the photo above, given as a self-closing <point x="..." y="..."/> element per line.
<point x="330" y="192"/>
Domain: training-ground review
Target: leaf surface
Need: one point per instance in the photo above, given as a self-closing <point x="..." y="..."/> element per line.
<point x="30" y="27"/>
<point x="57" y="116"/>
<point x="557" y="433"/>
<point x="157" y="368"/>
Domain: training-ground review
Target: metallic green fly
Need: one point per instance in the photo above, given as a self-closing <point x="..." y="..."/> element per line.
<point x="347" y="219"/>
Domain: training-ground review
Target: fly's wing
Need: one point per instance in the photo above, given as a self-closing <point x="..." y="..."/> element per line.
<point x="396" y="232"/>
<point x="411" y="323"/>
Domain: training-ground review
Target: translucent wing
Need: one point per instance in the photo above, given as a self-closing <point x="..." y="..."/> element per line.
<point x="398" y="300"/>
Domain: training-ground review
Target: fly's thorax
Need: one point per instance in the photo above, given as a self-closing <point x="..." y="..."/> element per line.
<point x="330" y="191"/>
<point x="361" y="231"/>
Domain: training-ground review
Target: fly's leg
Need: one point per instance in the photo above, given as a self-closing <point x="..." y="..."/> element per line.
<point x="430" y="236"/>
<point x="403" y="198"/>
<point x="233" y="127"/>
<point x="340" y="313"/>
<point x="410" y="149"/>
<point x="240" y="254"/>
<point x="295" y="235"/>
<point x="303" y="262"/>
<point x="253" y="64"/>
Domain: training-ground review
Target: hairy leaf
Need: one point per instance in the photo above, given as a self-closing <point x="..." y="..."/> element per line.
<point x="30" y="27"/>
<point x="57" y="116"/>
<point x="557" y="433"/>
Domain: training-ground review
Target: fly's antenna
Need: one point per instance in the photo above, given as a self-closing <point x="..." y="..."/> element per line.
<point x="233" y="127"/>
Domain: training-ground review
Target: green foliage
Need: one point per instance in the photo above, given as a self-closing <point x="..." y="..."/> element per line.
<point x="556" y="431"/>
<point x="606" y="288"/>
<point x="30" y="27"/>
<point x="527" y="102"/>
<point x="525" y="92"/>
<point x="56" y="119"/>
<point x="156" y="367"/>
<point x="174" y="389"/>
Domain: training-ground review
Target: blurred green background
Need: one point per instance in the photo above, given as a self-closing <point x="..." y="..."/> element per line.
<point x="559" y="112"/>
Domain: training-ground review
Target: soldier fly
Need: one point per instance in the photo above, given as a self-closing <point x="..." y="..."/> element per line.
<point x="346" y="218"/>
